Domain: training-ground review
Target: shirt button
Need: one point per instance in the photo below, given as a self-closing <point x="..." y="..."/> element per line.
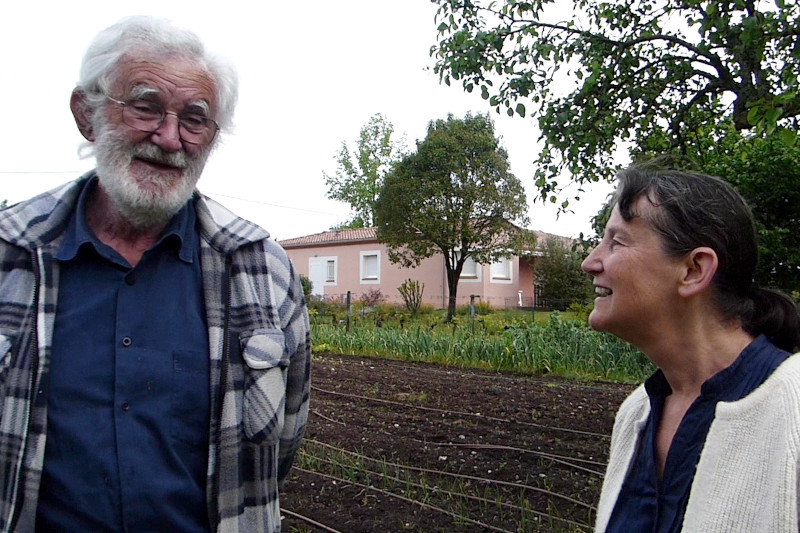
<point x="130" y="279"/>
<point x="127" y="341"/>
<point x="126" y="406"/>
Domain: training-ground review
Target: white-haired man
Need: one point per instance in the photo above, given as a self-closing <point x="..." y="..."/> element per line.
<point x="155" y="347"/>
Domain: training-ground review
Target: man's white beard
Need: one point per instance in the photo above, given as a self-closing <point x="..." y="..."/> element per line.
<point x="144" y="208"/>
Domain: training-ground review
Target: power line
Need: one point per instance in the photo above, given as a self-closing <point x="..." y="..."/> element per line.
<point x="271" y="204"/>
<point x="78" y="172"/>
<point x="42" y="172"/>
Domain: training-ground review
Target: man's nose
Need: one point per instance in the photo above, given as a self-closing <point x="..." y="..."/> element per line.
<point x="168" y="134"/>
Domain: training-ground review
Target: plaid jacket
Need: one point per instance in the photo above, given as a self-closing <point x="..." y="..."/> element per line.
<point x="259" y="349"/>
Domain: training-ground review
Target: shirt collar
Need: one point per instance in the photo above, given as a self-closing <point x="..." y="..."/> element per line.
<point x="181" y="229"/>
<point x="750" y="363"/>
<point x="746" y="363"/>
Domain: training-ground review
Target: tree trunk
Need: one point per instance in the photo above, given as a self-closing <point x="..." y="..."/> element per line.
<point x="452" y="288"/>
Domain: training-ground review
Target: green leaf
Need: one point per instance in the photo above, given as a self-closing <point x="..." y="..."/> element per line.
<point x="521" y="109"/>
<point x="753" y="115"/>
<point x="773" y="115"/>
<point x="787" y="136"/>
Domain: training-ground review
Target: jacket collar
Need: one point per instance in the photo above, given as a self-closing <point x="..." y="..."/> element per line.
<point x="40" y="221"/>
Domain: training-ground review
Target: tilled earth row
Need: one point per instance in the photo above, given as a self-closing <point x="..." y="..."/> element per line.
<point x="397" y="446"/>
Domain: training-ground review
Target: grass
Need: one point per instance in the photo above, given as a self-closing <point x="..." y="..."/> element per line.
<point x="557" y="344"/>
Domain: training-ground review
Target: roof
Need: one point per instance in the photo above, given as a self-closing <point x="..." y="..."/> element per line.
<point x="338" y="236"/>
<point x="354" y="235"/>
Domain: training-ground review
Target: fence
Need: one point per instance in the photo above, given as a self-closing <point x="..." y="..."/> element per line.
<point x="525" y="302"/>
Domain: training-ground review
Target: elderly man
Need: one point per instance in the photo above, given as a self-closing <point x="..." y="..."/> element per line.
<point x="154" y="372"/>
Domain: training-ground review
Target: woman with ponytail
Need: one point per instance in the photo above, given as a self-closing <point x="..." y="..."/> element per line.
<point x="711" y="441"/>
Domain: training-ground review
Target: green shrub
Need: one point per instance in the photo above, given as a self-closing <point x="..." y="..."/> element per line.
<point x="481" y="308"/>
<point x="307" y="286"/>
<point x="411" y="291"/>
<point x="581" y="311"/>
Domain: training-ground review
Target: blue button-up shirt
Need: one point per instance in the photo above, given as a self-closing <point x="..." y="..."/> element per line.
<point x="646" y="504"/>
<point x="128" y="390"/>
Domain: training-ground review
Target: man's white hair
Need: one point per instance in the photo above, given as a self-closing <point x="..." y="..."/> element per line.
<point x="158" y="37"/>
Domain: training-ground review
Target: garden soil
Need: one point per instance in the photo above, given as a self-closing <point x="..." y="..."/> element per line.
<point x="394" y="446"/>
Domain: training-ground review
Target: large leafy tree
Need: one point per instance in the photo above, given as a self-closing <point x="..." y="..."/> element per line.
<point x="456" y="196"/>
<point x="765" y="171"/>
<point x="359" y="174"/>
<point x="636" y="66"/>
<point x="559" y="273"/>
<point x="767" y="176"/>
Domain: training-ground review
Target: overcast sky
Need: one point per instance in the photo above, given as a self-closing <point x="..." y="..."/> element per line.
<point x="311" y="75"/>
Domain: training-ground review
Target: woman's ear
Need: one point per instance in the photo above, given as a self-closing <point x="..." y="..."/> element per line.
<point x="700" y="265"/>
<point x="80" y="110"/>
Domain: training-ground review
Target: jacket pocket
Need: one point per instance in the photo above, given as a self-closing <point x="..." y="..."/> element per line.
<point x="264" y="401"/>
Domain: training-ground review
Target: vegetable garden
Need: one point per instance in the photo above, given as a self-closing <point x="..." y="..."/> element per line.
<point x="499" y="422"/>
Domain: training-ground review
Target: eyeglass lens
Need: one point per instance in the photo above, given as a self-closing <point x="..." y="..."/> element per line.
<point x="147" y="116"/>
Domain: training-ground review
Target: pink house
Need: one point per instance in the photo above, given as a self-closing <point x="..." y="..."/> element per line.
<point x="353" y="260"/>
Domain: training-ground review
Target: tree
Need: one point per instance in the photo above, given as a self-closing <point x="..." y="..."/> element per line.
<point x="764" y="170"/>
<point x="455" y="196"/>
<point x="640" y="66"/>
<point x="559" y="273"/>
<point x="360" y="175"/>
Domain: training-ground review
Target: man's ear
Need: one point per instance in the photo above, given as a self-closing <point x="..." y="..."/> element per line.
<point x="77" y="103"/>
<point x="700" y="265"/>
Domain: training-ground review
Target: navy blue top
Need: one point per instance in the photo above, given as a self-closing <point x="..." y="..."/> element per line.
<point x="644" y="502"/>
<point x="128" y="390"/>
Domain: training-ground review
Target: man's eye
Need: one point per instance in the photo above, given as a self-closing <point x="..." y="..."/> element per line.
<point x="145" y="109"/>
<point x="193" y="121"/>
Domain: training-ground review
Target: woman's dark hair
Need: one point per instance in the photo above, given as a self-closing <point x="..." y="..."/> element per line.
<point x="694" y="210"/>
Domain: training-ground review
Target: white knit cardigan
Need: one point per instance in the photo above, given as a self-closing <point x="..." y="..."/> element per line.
<point x="747" y="475"/>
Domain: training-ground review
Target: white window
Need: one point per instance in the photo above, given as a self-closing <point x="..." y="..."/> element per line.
<point x="470" y="270"/>
<point x="501" y="270"/>
<point x="330" y="271"/>
<point x="370" y="267"/>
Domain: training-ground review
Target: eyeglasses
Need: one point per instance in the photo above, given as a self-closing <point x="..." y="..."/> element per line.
<point x="144" y="115"/>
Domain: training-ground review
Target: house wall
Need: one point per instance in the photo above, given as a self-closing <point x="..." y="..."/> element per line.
<point x="527" y="280"/>
<point x="349" y="258"/>
<point x="498" y="290"/>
